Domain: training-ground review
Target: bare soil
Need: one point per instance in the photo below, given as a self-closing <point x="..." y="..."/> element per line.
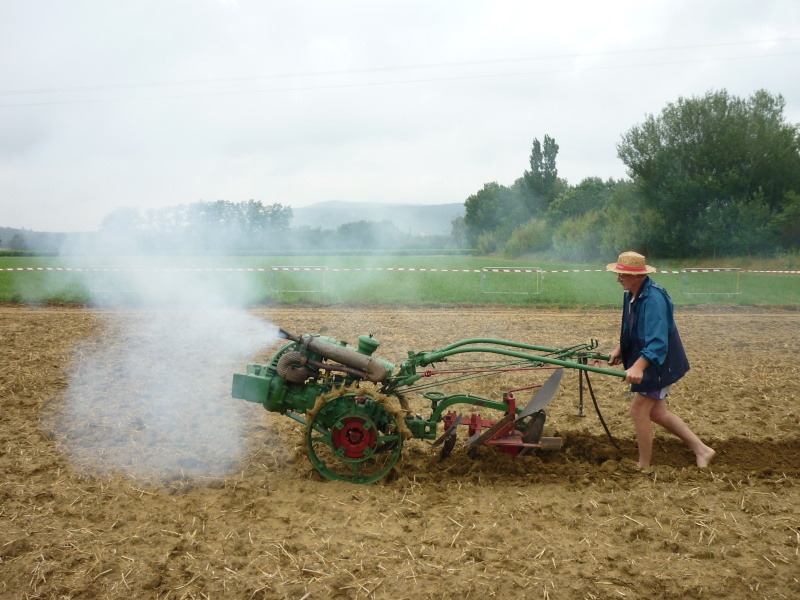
<point x="580" y="522"/>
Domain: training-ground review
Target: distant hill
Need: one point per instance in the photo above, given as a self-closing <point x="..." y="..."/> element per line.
<point x="417" y="219"/>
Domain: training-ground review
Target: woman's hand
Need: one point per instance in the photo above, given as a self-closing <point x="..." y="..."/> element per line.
<point x="615" y="357"/>
<point x="634" y="375"/>
<point x="636" y="372"/>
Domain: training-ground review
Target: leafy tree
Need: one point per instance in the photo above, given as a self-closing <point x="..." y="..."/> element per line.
<point x="620" y="231"/>
<point x="591" y="194"/>
<point x="485" y="210"/>
<point x="123" y="220"/>
<point x="754" y="227"/>
<point x="703" y="161"/>
<point x="530" y="237"/>
<point x="369" y="235"/>
<point x="613" y="213"/>
<point x="458" y="232"/>
<point x="578" y="238"/>
<point x="543" y="175"/>
<point x="18" y="242"/>
<point x="542" y="180"/>
<point x="278" y="216"/>
<point x="746" y="227"/>
<point x="788" y="222"/>
<point x="496" y="211"/>
<point x="486" y="243"/>
<point x="255" y="217"/>
<point x="121" y="232"/>
<point x="627" y="225"/>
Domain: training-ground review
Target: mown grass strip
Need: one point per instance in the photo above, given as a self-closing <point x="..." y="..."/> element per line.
<point x="407" y="280"/>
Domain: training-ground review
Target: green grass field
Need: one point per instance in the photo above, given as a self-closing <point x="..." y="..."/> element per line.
<point x="353" y="280"/>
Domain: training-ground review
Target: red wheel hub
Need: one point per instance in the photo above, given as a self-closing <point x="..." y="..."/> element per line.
<point x="354" y="435"/>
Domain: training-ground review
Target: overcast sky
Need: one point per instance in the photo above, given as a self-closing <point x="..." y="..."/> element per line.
<point x="153" y="103"/>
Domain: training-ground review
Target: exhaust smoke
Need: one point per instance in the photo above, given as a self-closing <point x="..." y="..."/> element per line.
<point x="149" y="395"/>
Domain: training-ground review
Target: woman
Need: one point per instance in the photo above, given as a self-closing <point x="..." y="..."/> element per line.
<point x="651" y="351"/>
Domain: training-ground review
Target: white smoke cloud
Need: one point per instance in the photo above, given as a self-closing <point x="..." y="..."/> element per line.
<point x="150" y="394"/>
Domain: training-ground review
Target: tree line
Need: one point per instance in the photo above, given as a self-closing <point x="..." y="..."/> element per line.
<point x="710" y="176"/>
<point x="226" y="227"/>
<point x="222" y="227"/>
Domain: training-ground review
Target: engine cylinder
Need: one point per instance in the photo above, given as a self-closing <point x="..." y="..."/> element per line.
<point x="375" y="369"/>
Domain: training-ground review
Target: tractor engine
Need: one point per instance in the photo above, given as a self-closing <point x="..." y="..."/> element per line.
<point x="306" y="368"/>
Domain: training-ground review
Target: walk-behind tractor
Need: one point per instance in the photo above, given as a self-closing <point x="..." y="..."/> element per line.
<point x="356" y="415"/>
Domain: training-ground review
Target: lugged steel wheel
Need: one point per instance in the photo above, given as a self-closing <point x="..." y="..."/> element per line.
<point x="353" y="438"/>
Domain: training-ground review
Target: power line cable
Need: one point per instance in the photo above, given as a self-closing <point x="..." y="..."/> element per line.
<point x="388" y="68"/>
<point x="397" y="82"/>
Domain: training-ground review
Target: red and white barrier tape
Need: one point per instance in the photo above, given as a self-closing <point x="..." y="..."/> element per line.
<point x="349" y="269"/>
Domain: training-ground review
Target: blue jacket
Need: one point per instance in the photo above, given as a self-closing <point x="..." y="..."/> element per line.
<point x="649" y="330"/>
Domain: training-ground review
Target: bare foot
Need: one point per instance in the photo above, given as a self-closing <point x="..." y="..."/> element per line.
<point x="705" y="456"/>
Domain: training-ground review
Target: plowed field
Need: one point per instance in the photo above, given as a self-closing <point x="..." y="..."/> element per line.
<point x="99" y="500"/>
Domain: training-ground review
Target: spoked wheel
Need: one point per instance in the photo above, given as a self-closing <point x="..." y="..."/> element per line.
<point x="353" y="438"/>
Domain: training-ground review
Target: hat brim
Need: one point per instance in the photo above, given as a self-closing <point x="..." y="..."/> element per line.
<point x="615" y="268"/>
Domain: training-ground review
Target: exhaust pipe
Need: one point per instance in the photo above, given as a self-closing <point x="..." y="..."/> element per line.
<point x="373" y="369"/>
<point x="285" y="335"/>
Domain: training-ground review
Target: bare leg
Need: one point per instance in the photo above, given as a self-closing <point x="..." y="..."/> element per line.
<point x="641" y="409"/>
<point x="675" y="425"/>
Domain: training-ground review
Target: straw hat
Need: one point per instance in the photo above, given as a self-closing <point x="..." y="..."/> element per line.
<point x="630" y="263"/>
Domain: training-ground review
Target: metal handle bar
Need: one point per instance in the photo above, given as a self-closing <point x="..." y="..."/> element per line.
<point x="427" y="358"/>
